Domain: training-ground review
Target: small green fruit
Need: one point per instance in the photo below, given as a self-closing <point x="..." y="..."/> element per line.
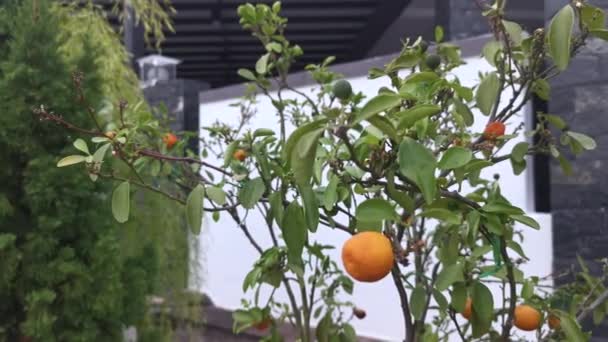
<point x="342" y="90"/>
<point x="433" y="61"/>
<point x="423" y="45"/>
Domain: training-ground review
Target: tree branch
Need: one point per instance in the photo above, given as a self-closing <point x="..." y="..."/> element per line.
<point x="599" y="301"/>
<point x="407" y="316"/>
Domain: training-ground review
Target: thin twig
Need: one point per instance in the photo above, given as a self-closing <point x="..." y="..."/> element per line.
<point x="599" y="301"/>
<point x="407" y="316"/>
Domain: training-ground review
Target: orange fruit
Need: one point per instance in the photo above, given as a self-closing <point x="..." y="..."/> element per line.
<point x="110" y="134"/>
<point x="468" y="309"/>
<point x="527" y="318"/>
<point x="169" y="139"/>
<point x="263" y="325"/>
<point x="240" y="154"/>
<point x="494" y="130"/>
<point x="554" y="322"/>
<point x="368" y="256"/>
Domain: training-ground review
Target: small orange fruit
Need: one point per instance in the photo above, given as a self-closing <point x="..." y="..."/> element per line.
<point x="527" y="318"/>
<point x="494" y="130"/>
<point x="169" y="139"/>
<point x="110" y="134"/>
<point x="368" y="256"/>
<point x="263" y="325"/>
<point x="240" y="154"/>
<point x="554" y="322"/>
<point x="468" y="309"/>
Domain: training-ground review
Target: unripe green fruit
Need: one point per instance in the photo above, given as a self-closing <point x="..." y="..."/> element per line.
<point x="433" y="61"/>
<point x="342" y="90"/>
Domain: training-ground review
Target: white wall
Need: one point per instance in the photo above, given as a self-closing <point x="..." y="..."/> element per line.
<point x="229" y="256"/>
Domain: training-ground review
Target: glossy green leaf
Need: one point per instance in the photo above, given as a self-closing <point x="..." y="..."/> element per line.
<point x="601" y="34"/>
<point x="276" y="207"/>
<point x="261" y="66"/>
<point x="330" y="196"/>
<point x="246" y="74"/>
<point x="251" y="192"/>
<point x="294" y="138"/>
<point x="418" y="302"/>
<point x="229" y="152"/>
<point x="542" y="89"/>
<point x="409" y="117"/>
<point x="444" y="215"/>
<point x="459" y="296"/>
<point x="81" y="145"/>
<point x="438" y="34"/>
<point x="311" y="206"/>
<point x="491" y="50"/>
<point x="487" y="93"/>
<point x="403" y="199"/>
<point x="121" y="202"/>
<point x="483" y="309"/>
<point x="71" y="160"/>
<point x="455" y="157"/>
<point x="570" y="327"/>
<point x="418" y="164"/>
<point x="217" y="195"/>
<point x="448" y="276"/>
<point x="262" y="132"/>
<point x="303" y="158"/>
<point x="378" y="104"/>
<point x="465" y="112"/>
<point x="194" y="209"/>
<point x="560" y="32"/>
<point x="593" y="17"/>
<point x="375" y="209"/>
<point x="513" y="245"/>
<point x="527" y="290"/>
<point x="440" y="299"/>
<point x="100" y="153"/>
<point x="586" y="141"/>
<point x="99" y="139"/>
<point x="294" y="232"/>
<point x="502" y="208"/>
<point x="527" y="220"/>
<point x="384" y="125"/>
<point x="555" y="120"/>
<point x="519" y="151"/>
<point x="514" y="31"/>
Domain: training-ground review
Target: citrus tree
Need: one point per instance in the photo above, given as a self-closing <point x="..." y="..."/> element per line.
<point x="387" y="170"/>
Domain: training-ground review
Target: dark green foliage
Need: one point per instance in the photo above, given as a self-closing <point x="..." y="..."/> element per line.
<point x="64" y="275"/>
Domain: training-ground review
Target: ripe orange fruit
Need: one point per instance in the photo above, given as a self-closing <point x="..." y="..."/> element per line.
<point x="554" y="322"/>
<point x="468" y="309"/>
<point x="110" y="134"/>
<point x="368" y="256"/>
<point x="169" y="139"/>
<point x="527" y="318"/>
<point x="263" y="325"/>
<point x="240" y="154"/>
<point x="494" y="130"/>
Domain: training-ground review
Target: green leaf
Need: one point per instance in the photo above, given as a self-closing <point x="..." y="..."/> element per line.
<point x="294" y="232"/>
<point x="601" y="34"/>
<point x="194" y="209"/>
<point x="459" y="296"/>
<point x="593" y="17"/>
<point x="304" y="155"/>
<point x="527" y="220"/>
<point x="442" y="302"/>
<point x="527" y="290"/>
<point x="120" y="202"/>
<point x="251" y="192"/>
<point x="418" y="302"/>
<point x="514" y="31"/>
<point x="502" y="208"/>
<point x="586" y="141"/>
<point x="217" y="195"/>
<point x="487" y="93"/>
<point x="565" y="165"/>
<point x="570" y="327"/>
<point x="349" y="335"/>
<point x="82" y="146"/>
<point x="483" y="309"/>
<point x="519" y="151"/>
<point x="71" y="160"/>
<point x="518" y="166"/>
<point x="448" y="276"/>
<point x="556" y="121"/>
<point x="294" y="138"/>
<point x="330" y="196"/>
<point x="465" y="112"/>
<point x="375" y="209"/>
<point x="262" y="132"/>
<point x="560" y="32"/>
<point x="418" y="164"/>
<point x="473" y="219"/>
<point x="276" y="206"/>
<point x="378" y="104"/>
<point x="403" y="199"/>
<point x="410" y="116"/>
<point x="246" y="74"/>
<point x="99" y="139"/>
<point x="384" y="125"/>
<point x="517" y="248"/>
<point x="455" y="157"/>
<point x="444" y="215"/>
<point x="311" y="206"/>
<point x="261" y="66"/>
<point x="542" y="89"/>
<point x="274" y="46"/>
<point x="100" y="153"/>
<point x="490" y="50"/>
